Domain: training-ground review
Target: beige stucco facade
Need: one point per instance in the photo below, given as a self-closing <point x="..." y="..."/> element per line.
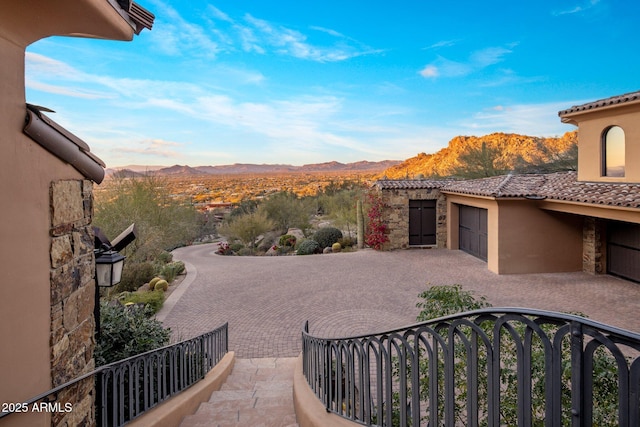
<point x="592" y="124"/>
<point x="544" y="223"/>
<point x="35" y="241"/>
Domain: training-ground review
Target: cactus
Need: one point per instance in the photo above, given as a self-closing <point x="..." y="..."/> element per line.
<point x="360" y="224"/>
<point x="327" y="236"/>
<point x="162" y="284"/>
<point x="153" y="283"/>
<point x="308" y="247"/>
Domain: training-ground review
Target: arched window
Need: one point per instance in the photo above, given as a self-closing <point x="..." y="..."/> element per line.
<point x="613" y="152"/>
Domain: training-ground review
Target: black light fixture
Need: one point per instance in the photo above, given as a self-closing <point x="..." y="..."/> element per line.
<point x="109" y="263"/>
<point x="109" y="267"/>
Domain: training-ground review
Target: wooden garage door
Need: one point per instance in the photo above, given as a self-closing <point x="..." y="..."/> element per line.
<point x="473" y="231"/>
<point x="623" y="250"/>
<point x="422" y="222"/>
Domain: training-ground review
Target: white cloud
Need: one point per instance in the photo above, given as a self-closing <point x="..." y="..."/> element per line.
<point x="528" y="119"/>
<point x="429" y="71"/>
<point x="477" y="61"/>
<point x="577" y="8"/>
<point x="175" y="36"/>
<point x="155" y="148"/>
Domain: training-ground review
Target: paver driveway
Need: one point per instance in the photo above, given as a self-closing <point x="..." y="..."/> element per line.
<point x="266" y="300"/>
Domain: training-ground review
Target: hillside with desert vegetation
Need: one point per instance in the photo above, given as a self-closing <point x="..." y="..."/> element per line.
<point x="475" y="157"/>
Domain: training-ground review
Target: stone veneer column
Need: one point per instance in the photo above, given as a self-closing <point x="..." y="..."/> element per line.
<point x="396" y="215"/>
<point x="72" y="298"/>
<point x="593" y="246"/>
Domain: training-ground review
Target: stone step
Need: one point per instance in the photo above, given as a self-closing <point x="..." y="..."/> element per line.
<point x="257" y="393"/>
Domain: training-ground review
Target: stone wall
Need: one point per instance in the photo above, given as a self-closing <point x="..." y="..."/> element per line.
<point x="72" y="298"/>
<point x="593" y="246"/>
<point x="396" y="214"/>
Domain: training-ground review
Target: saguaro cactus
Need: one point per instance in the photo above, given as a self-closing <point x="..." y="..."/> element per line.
<point x="360" y="224"/>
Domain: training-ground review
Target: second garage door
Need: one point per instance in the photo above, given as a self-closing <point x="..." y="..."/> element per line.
<point x="473" y="231"/>
<point x="623" y="250"/>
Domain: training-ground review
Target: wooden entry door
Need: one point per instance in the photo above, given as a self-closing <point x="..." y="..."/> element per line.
<point x="473" y="231"/>
<point x="422" y="222"/>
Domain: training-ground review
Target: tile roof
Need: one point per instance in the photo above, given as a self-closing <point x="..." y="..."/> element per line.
<point x="562" y="186"/>
<point x="498" y="186"/>
<point x="614" y="100"/>
<point x="411" y="184"/>
<point x="565" y="186"/>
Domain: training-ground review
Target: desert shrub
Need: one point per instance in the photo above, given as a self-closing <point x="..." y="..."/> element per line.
<point x="153" y="299"/>
<point x="287" y="240"/>
<point x="440" y="301"/>
<point x="165" y="257"/>
<point x="224" y="249"/>
<point x="134" y="276"/>
<point x="327" y="236"/>
<point x="247" y="228"/>
<point x="347" y="242"/>
<point x="308" y="247"/>
<point x="245" y="251"/>
<point x="286" y="211"/>
<point x="171" y="270"/>
<point x="127" y="331"/>
<point x="162" y="223"/>
<point x="236" y="247"/>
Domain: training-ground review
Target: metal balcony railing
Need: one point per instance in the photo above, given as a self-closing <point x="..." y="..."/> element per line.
<point x="489" y="367"/>
<point x="127" y="388"/>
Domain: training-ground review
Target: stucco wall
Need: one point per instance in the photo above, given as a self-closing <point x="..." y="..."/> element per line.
<point x="396" y="215"/>
<point x="522" y="238"/>
<point x="25" y="259"/>
<point x="591" y="127"/>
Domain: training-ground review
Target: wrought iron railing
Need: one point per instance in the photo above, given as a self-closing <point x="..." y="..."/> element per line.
<point x="494" y="367"/>
<point x="127" y="388"/>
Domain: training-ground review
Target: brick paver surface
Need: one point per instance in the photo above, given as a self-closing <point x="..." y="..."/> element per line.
<point x="266" y="300"/>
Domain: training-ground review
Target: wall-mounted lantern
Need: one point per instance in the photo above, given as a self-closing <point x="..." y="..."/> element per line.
<point x="109" y="263"/>
<point x="109" y="267"/>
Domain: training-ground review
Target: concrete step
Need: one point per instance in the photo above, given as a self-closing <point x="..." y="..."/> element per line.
<point x="258" y="393"/>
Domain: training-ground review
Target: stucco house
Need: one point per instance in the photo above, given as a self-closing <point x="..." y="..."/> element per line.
<point x="46" y="256"/>
<point x="534" y="223"/>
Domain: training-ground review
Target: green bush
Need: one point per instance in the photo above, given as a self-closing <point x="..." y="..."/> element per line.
<point x="165" y="257"/>
<point x="287" y="240"/>
<point x="153" y="299"/>
<point x="347" y="242"/>
<point x="440" y="301"/>
<point x="127" y="331"/>
<point x="308" y="247"/>
<point x="236" y="247"/>
<point x="171" y="270"/>
<point x="327" y="236"/>
<point x="135" y="275"/>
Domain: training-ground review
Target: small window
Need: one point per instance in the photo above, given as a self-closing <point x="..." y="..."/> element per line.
<point x="613" y="152"/>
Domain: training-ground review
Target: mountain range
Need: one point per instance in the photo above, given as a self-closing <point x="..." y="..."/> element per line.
<point x="513" y="150"/>
<point x="248" y="168"/>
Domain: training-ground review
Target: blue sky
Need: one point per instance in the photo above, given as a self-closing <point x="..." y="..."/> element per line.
<point x="295" y="82"/>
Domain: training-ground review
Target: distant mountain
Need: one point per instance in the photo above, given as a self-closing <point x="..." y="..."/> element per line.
<point x="248" y="168"/>
<point x="513" y="149"/>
